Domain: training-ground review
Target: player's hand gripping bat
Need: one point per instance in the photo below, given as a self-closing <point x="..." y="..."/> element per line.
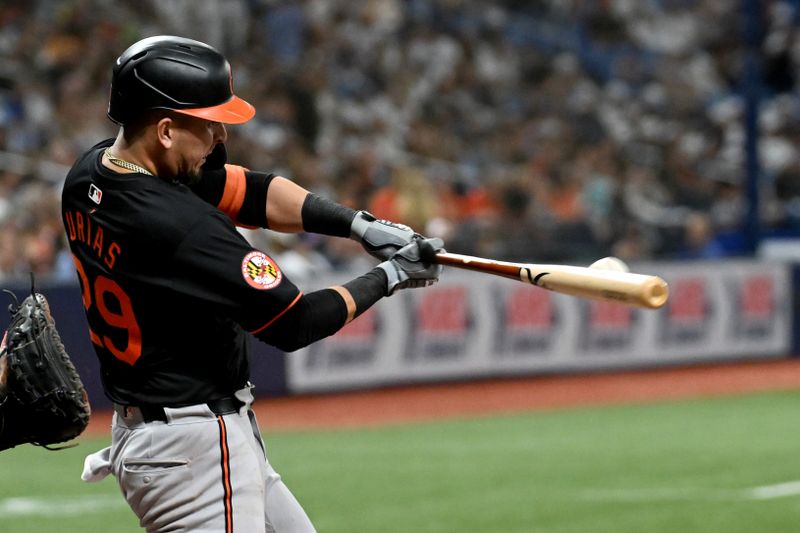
<point x="607" y="279"/>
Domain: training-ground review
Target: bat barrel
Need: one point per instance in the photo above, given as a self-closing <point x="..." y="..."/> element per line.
<point x="641" y="290"/>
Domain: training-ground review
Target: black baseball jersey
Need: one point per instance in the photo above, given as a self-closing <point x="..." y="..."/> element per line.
<point x="169" y="285"/>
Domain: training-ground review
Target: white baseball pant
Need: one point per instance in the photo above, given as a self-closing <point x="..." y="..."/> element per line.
<point x="198" y="472"/>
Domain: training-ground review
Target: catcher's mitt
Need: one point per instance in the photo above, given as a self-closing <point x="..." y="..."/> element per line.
<point x="42" y="398"/>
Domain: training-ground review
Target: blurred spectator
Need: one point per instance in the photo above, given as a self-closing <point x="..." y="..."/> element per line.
<point x="514" y="128"/>
<point x="409" y="198"/>
<point x="216" y="22"/>
<point x="698" y="240"/>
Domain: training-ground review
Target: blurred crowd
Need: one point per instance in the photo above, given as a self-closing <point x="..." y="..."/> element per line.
<point x="537" y="130"/>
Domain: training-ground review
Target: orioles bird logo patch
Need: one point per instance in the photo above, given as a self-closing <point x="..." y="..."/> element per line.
<point x="260" y="271"/>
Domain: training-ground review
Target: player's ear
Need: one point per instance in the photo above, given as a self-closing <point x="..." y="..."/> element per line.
<point x="165" y="131"/>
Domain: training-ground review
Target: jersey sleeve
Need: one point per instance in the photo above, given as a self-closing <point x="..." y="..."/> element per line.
<point x="238" y="192"/>
<point x="214" y="263"/>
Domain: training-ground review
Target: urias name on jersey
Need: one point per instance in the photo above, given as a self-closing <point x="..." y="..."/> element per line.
<point x="81" y="229"/>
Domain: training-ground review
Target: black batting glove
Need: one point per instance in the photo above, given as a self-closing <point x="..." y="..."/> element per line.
<point x="409" y="267"/>
<point x="380" y="238"/>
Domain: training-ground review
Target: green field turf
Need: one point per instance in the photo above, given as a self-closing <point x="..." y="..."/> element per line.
<point x="723" y="465"/>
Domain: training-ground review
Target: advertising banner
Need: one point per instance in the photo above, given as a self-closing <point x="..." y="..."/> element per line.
<point x="473" y="325"/>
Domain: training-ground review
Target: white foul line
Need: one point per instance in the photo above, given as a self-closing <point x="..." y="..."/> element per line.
<point x="770" y="492"/>
<point x="59" y="506"/>
<point x="663" y="494"/>
<point x="760" y="493"/>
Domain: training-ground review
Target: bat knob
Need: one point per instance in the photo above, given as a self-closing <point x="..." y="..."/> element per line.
<point x="427" y="251"/>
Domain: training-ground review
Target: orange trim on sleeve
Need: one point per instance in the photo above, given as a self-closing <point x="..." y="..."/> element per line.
<point x="235" y="188"/>
<point x="276" y="317"/>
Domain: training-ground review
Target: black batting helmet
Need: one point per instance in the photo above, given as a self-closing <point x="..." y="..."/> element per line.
<point x="167" y="72"/>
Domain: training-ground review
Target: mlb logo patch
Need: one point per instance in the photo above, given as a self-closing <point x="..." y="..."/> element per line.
<point x="95" y="194"/>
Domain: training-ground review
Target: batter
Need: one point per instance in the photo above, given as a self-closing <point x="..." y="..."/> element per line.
<point x="172" y="291"/>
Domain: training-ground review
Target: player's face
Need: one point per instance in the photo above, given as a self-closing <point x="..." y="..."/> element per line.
<point x="195" y="138"/>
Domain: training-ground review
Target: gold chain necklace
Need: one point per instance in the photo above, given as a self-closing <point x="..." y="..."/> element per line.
<point x="126" y="164"/>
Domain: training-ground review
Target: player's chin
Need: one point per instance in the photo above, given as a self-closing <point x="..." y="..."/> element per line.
<point x="194" y="176"/>
<point x="190" y="177"/>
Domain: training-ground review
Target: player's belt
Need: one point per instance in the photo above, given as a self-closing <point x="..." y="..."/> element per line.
<point x="154" y="413"/>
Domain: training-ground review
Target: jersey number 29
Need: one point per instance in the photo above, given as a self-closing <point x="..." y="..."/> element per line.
<point x="122" y="318"/>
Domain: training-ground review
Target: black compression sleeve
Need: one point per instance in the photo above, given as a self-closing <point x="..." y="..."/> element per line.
<point x="367" y="289"/>
<point x="323" y="216"/>
<point x="322" y="313"/>
<point x="253" y="211"/>
<point x="316" y="315"/>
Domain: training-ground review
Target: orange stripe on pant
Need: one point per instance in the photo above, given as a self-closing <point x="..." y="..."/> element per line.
<point x="226" y="474"/>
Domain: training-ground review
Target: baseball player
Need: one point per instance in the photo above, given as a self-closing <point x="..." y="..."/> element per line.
<point x="171" y="290"/>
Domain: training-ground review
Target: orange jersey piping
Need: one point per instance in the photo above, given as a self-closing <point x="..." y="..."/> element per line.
<point x="276" y="317"/>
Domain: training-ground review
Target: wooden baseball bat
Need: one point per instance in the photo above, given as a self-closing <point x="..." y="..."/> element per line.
<point x="623" y="287"/>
